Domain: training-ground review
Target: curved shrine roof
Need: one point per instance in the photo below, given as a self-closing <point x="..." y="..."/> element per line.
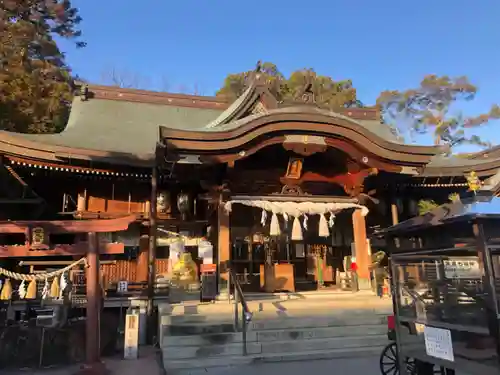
<point x="122" y="126"/>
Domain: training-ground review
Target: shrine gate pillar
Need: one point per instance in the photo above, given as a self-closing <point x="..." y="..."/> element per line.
<point x="363" y="259"/>
<point x="92" y="329"/>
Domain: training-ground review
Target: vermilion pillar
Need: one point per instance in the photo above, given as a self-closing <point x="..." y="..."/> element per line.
<point x="223" y="246"/>
<point x="92" y="329"/>
<point x="363" y="260"/>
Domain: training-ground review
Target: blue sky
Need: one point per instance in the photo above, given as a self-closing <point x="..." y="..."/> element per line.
<point x="384" y="44"/>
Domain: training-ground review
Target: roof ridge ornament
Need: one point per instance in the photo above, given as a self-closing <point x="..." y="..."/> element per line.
<point x="256" y="77"/>
<point x="307" y="94"/>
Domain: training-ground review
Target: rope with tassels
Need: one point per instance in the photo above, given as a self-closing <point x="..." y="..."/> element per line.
<point x="31" y="291"/>
<point x="43" y="275"/>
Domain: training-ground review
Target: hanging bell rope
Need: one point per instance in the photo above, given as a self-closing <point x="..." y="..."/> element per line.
<point x="40" y="276"/>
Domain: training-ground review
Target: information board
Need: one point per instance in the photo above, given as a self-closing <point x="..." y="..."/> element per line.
<point x="438" y="343"/>
<point x="462" y="268"/>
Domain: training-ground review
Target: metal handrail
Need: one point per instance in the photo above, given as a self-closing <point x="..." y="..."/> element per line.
<point x="246" y="314"/>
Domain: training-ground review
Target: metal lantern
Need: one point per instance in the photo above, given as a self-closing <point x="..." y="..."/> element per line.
<point x="184" y="205"/>
<point x="163" y="202"/>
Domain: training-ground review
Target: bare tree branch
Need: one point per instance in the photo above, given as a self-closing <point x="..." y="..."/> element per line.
<point x="124" y="79"/>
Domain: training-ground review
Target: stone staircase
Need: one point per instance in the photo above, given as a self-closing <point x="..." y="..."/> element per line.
<point x="195" y="337"/>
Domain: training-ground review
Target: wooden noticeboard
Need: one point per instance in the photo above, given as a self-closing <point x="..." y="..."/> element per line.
<point x="131" y="345"/>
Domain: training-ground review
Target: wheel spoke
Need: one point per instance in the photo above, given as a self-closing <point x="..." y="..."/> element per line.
<point x="388" y="360"/>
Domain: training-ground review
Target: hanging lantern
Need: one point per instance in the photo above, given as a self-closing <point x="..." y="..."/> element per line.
<point x="184" y="205"/>
<point x="163" y="202"/>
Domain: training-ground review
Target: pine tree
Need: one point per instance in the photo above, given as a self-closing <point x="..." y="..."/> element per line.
<point x="35" y="82"/>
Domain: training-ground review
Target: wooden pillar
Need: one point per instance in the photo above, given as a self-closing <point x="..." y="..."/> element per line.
<point x="81" y="203"/>
<point x="92" y="329"/>
<point x="152" y="252"/>
<point x="223" y="246"/>
<point x="142" y="259"/>
<point x="363" y="260"/>
<point x="394" y="213"/>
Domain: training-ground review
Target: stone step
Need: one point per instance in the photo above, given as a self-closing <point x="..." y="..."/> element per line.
<point x="260" y="323"/>
<point x="180" y="314"/>
<point x="198" y="328"/>
<point x="199" y="366"/>
<point x="194" y="308"/>
<point x="275" y="335"/>
<point x="353" y="319"/>
<point x="269" y="347"/>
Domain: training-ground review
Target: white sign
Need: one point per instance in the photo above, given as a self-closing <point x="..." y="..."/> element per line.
<point x="206" y="252"/>
<point x="462" y="268"/>
<point x="438" y="343"/>
<point x="131" y="347"/>
<point x="122" y="286"/>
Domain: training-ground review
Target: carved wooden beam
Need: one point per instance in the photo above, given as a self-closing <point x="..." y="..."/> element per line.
<point x="80" y="248"/>
<point x="305" y="145"/>
<point x="351" y="182"/>
<point x="69" y="226"/>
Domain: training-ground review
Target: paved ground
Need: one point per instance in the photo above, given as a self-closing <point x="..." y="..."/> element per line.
<point x="347" y="366"/>
<point x="357" y="366"/>
<point x="148" y="365"/>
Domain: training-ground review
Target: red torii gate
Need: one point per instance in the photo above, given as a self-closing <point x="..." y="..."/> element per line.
<point x="37" y="243"/>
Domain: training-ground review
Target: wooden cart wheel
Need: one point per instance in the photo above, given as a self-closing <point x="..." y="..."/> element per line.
<point x="389" y="364"/>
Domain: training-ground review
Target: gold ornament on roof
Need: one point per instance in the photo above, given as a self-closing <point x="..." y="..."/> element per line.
<point x="473" y="181"/>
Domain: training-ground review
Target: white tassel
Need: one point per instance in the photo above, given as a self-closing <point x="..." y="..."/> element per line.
<point x="22" y="290"/>
<point x="323" y="230"/>
<point x="263" y="218"/>
<point x="46" y="290"/>
<point x="275" y="226"/>
<point x="63" y="283"/>
<point x="285" y="219"/>
<point x="305" y="221"/>
<point x="331" y="220"/>
<point x="296" y="230"/>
